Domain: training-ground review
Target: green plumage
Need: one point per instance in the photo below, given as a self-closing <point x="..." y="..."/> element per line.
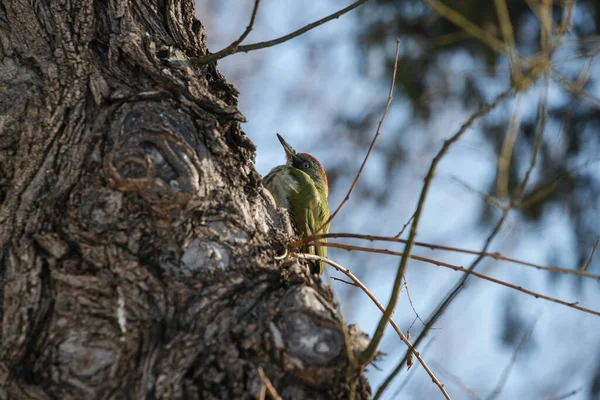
<point x="300" y="186"/>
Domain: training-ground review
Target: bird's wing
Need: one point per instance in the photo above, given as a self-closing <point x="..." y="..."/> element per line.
<point x="309" y="209"/>
<point x="281" y="183"/>
<point x="323" y="215"/>
<point x="305" y="203"/>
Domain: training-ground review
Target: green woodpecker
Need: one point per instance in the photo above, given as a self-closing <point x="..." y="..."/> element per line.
<point x="300" y="186"/>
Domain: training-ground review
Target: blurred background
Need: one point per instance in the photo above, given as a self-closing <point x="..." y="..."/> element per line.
<point x="325" y="92"/>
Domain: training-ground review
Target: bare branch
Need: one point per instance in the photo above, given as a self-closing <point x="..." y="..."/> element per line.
<point x="358" y="283"/>
<point x="343" y="280"/>
<point x="270" y="388"/>
<point x="411" y="303"/>
<point x="509" y="39"/>
<point x="367" y="354"/>
<point x="539" y="140"/>
<point x="362" y="166"/>
<point x="461" y="269"/>
<point x="411" y="372"/>
<point x="494" y="255"/>
<point x="233" y="49"/>
<point x="234" y="46"/>
<point x="589" y="259"/>
<point x="405" y="225"/>
<point x="507" y="150"/>
<point x="450" y="296"/>
<point x="575" y="89"/>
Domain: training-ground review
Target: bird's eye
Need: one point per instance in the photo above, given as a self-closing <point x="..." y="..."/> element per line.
<point x="305" y="165"/>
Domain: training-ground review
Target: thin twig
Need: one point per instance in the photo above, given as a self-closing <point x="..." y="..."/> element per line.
<point x="270" y="388"/>
<point x="456" y="380"/>
<point x="263" y="393"/>
<point x="546" y="27"/>
<point x="405" y="225"/>
<point x="368" y="353"/>
<point x="507" y="150"/>
<point x="566" y="395"/>
<point x="409" y="361"/>
<point x="412" y="371"/>
<point x="489" y="199"/>
<point x="362" y="166"/>
<point x="546" y="189"/>
<point x="461" y="21"/>
<point x="575" y="89"/>
<point x="342" y="280"/>
<point x="411" y="325"/>
<point x="539" y="140"/>
<point x="358" y="283"/>
<point x="495" y="255"/>
<point x="270" y="43"/>
<point x="411" y="303"/>
<point x="234" y="46"/>
<point x="589" y="259"/>
<point x="461" y="269"/>
<point x="437" y="313"/>
<point x="509" y="38"/>
<point x="565" y="24"/>
<point x="506" y="372"/>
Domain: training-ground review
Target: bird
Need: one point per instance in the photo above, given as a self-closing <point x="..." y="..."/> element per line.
<point x="300" y="186"/>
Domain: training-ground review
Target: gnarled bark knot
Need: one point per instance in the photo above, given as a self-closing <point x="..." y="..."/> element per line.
<point x="154" y="151"/>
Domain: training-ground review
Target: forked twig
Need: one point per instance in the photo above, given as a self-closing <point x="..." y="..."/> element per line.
<point x="229" y="50"/>
<point x="368" y="353"/>
<point x="233" y="47"/>
<point x="411" y="303"/>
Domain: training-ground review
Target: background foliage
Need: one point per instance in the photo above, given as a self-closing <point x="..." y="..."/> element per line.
<point x="325" y="93"/>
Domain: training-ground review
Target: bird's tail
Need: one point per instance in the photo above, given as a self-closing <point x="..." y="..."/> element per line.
<point x="321" y="251"/>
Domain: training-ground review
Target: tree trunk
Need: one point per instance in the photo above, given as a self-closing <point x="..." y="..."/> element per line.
<point x="137" y="246"/>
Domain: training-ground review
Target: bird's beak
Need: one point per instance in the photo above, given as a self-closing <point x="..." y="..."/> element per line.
<point x="290" y="153"/>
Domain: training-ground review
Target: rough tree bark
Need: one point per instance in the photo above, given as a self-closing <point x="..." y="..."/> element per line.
<point x="136" y="243"/>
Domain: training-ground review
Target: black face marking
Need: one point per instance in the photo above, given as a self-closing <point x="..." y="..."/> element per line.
<point x="302" y="163"/>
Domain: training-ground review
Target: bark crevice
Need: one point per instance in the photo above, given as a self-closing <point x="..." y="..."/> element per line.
<point x="137" y="244"/>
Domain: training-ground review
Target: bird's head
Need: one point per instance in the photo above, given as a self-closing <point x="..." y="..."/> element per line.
<point x="306" y="163"/>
